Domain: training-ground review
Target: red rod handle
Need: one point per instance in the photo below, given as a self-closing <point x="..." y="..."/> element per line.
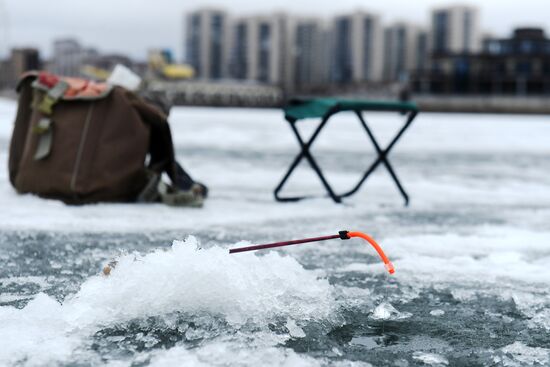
<point x="281" y="244"/>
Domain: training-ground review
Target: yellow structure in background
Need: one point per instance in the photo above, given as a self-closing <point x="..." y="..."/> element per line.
<point x="178" y="71"/>
<point x="95" y="72"/>
<point x="160" y="66"/>
<point x="160" y="62"/>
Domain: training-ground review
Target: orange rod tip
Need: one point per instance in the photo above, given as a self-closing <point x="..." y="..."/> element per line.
<point x="389" y="267"/>
<point x="369" y="239"/>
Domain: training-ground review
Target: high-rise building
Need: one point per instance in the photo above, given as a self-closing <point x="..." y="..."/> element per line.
<point x="20" y="61"/>
<point x="358" y="48"/>
<point x="401" y="49"/>
<point x="455" y="30"/>
<point x="239" y="53"/>
<point x="207" y="43"/>
<point x="69" y="57"/>
<point x="422" y="50"/>
<point x="308" y="63"/>
<point x="24" y="59"/>
<point x="259" y="49"/>
<point x="6" y="74"/>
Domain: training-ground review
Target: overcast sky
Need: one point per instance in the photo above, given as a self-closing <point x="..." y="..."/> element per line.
<point x="133" y="26"/>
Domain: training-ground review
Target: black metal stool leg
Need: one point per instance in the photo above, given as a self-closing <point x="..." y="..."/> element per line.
<point x="396" y="180"/>
<point x="389" y="167"/>
<point x="408" y="122"/>
<point x="382" y="157"/>
<point x="305" y="153"/>
<point x="316" y="168"/>
<point x="363" y="179"/>
<point x="286" y="177"/>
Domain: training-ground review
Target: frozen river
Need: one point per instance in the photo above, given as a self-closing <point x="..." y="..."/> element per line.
<point x="472" y="253"/>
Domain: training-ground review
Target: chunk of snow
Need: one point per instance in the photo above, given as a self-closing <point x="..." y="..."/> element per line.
<point x="386" y="311"/>
<point x="431" y="359"/>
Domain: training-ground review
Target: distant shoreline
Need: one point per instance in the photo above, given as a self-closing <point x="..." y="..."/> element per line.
<point x="516" y="105"/>
<point x="525" y="105"/>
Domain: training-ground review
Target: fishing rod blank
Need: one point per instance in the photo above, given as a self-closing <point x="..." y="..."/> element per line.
<point x="343" y="235"/>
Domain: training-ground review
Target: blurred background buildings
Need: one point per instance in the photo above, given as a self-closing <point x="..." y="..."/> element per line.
<point x="229" y="58"/>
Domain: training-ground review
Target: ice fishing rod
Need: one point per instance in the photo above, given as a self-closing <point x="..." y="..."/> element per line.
<point x="343" y="235"/>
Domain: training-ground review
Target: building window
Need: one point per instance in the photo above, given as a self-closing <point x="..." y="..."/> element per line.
<point x="401" y="51"/>
<point x="240" y="64"/>
<point x="194" y="43"/>
<point x="422" y="51"/>
<point x="506" y="47"/>
<point x="342" y="71"/>
<point x="501" y="68"/>
<point x="523" y="68"/>
<point x="216" y="47"/>
<point x="462" y="67"/>
<point x="526" y="47"/>
<point x="441" y="21"/>
<point x="467" y="31"/>
<point x="494" y="47"/>
<point x="265" y="44"/>
<point x="303" y="72"/>
<point x="367" y="47"/>
<point x="437" y="68"/>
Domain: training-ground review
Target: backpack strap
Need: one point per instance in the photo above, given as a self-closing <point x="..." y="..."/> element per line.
<point x="21" y="126"/>
<point x="52" y="96"/>
<point x="45" y="127"/>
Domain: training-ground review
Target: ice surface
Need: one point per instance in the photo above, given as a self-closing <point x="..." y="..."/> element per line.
<point x="470" y="252"/>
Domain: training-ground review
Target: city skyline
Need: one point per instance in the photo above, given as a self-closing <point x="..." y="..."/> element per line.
<point x="121" y="30"/>
<point x="305" y="53"/>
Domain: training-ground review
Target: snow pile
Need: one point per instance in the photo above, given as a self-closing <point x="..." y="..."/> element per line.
<point x="229" y="354"/>
<point x="38" y="334"/>
<point x="238" y="288"/>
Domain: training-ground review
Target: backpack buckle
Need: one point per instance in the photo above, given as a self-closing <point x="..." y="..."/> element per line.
<point x="51" y="98"/>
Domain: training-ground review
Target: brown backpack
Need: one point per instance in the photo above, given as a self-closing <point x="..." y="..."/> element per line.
<point x="83" y="142"/>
